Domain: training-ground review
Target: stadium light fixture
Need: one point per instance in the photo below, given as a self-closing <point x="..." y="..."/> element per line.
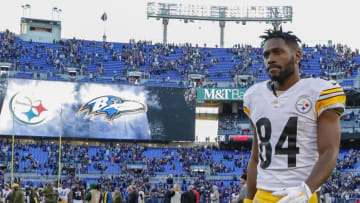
<point x="52" y="12"/>
<point x="23" y="7"/>
<point x="56" y="10"/>
<point x="189" y="13"/>
<point x="26" y="7"/>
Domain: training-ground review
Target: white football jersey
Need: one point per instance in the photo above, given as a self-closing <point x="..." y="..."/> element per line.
<point x="63" y="194"/>
<point x="4" y="194"/>
<point x="286" y="128"/>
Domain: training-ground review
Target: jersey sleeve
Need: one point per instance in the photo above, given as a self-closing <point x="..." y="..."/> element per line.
<point x="246" y="105"/>
<point x="330" y="96"/>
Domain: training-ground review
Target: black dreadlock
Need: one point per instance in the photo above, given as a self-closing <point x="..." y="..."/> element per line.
<point x="289" y="38"/>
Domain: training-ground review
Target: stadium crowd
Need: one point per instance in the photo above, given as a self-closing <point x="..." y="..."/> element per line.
<point x="110" y="155"/>
<point x="344" y="182"/>
<point x="352" y="115"/>
<point x="161" y="61"/>
<point x="230" y="123"/>
<point x="149" y="193"/>
<point x="233" y="124"/>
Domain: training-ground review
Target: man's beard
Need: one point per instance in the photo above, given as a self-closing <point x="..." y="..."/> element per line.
<point x="286" y="73"/>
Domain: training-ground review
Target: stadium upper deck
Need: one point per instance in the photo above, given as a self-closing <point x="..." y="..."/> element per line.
<point x="163" y="65"/>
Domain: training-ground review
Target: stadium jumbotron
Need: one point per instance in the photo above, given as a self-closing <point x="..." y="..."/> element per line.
<point x="144" y="103"/>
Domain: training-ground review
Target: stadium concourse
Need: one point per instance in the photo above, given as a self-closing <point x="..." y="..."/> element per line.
<point x="153" y="170"/>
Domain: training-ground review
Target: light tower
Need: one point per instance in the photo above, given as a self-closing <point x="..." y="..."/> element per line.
<point x="26" y="7"/>
<point x="56" y="10"/>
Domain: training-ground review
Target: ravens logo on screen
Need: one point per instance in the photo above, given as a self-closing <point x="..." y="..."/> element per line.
<point x="111" y="107"/>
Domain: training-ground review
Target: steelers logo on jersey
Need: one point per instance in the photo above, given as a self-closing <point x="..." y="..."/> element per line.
<point x="303" y="105"/>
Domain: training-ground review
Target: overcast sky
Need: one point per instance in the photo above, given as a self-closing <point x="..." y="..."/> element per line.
<point x="314" y="21"/>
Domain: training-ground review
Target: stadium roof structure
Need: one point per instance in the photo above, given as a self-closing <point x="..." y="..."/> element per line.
<point x="34" y="20"/>
<point x="269" y="14"/>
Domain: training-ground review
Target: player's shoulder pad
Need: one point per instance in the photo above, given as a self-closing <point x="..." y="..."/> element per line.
<point x="322" y="84"/>
<point x="329" y="95"/>
<point x="327" y="84"/>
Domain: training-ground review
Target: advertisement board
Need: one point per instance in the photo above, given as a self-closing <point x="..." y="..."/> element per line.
<point x="100" y="111"/>
<point x="220" y="94"/>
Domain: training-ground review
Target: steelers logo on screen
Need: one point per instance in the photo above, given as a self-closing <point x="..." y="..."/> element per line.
<point x="27" y="110"/>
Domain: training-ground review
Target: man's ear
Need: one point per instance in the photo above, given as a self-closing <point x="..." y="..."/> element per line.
<point x="298" y="56"/>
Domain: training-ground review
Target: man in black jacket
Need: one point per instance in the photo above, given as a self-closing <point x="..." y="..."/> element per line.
<point x="132" y="194"/>
<point x="189" y="196"/>
<point x="168" y="196"/>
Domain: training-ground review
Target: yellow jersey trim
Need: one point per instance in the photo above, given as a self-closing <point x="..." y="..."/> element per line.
<point x="248" y="201"/>
<point x="339" y="89"/>
<point x="329" y="101"/>
<point x="247" y="111"/>
<point x="263" y="196"/>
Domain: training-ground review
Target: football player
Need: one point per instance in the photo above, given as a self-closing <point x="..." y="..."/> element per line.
<point x="296" y="125"/>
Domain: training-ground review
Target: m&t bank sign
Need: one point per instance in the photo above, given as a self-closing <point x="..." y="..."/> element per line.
<point x="220" y="94"/>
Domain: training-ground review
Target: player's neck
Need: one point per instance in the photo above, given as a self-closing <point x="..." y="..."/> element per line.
<point x="286" y="84"/>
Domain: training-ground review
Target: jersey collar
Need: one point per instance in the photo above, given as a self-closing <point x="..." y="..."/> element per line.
<point x="271" y="87"/>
